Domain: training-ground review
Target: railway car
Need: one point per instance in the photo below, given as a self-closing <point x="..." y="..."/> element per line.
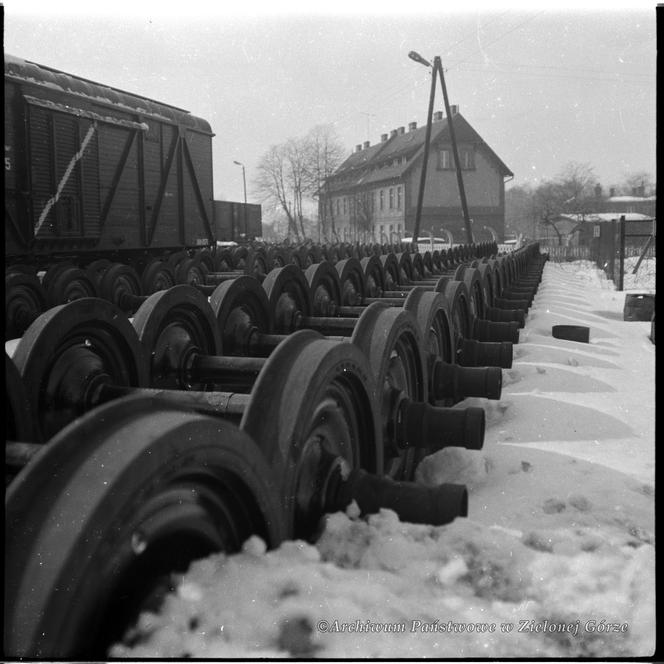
<point x="91" y="170"/>
<point x="237" y="221"/>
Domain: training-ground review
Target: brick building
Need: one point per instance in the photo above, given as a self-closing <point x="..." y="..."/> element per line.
<point x="373" y="195"/>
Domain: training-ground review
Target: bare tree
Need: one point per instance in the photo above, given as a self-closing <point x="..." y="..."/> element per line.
<point x="641" y="182"/>
<point x="294" y="172"/>
<point x="325" y="153"/>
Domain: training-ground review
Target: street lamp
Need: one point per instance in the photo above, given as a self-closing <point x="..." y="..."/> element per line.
<point x="244" y="184"/>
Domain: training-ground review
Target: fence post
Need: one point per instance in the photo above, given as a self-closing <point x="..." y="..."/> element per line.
<point x="621" y="269"/>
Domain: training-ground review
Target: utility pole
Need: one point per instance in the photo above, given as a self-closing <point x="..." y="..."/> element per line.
<point x="244" y="184"/>
<point x="437" y="68"/>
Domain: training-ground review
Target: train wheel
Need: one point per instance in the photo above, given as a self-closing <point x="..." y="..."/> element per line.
<point x="69" y="352"/>
<point x="351" y="278"/>
<point x="391" y="339"/>
<point x="157" y="276"/>
<point x="96" y="269"/>
<point x="190" y="271"/>
<point x="241" y="308"/>
<point x="325" y="288"/>
<point x="172" y="326"/>
<point x="288" y="297"/>
<point x="103" y="516"/>
<point x="68" y="284"/>
<point x="118" y="282"/>
<point x="25" y="300"/>
<point x="19" y="422"/>
<point x="324" y="410"/>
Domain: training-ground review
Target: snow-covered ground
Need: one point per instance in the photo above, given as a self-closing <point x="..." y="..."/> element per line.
<point x="555" y="559"/>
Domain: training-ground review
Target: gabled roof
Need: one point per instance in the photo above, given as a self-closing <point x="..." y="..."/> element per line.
<point x="384" y="161"/>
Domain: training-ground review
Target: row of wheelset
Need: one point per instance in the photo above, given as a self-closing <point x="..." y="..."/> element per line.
<point x="29" y="292"/>
<point x="135" y="445"/>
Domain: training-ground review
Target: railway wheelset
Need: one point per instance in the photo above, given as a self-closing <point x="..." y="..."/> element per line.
<point x="140" y="440"/>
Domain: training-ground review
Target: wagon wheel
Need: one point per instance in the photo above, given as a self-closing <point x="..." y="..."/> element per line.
<point x="176" y="258"/>
<point x="52" y="271"/>
<point x="242" y="310"/>
<point x="374" y="277"/>
<point x="325" y="288"/>
<point x="288" y="297"/>
<point x="418" y="267"/>
<point x="351" y="278"/>
<point x="96" y="269"/>
<point x="258" y="264"/>
<point x="19" y="422"/>
<point x="391" y="339"/>
<point x="118" y="502"/>
<point x="70" y="283"/>
<point x="121" y="285"/>
<point x="461" y="308"/>
<point x="156" y="276"/>
<point x="69" y="353"/>
<point x="431" y="311"/>
<point x="25" y="300"/>
<point x="470" y="276"/>
<point x="190" y="271"/>
<point x="390" y="271"/>
<point x="323" y="411"/>
<point x="206" y="259"/>
<point x="172" y="327"/>
<point x="223" y="261"/>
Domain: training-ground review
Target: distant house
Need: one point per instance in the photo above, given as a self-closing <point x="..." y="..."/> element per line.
<point x="373" y="195"/>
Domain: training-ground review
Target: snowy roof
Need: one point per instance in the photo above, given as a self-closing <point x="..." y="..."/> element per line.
<point x="632" y="199"/>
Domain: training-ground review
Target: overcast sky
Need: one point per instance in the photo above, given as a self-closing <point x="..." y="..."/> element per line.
<point x="542" y="87"/>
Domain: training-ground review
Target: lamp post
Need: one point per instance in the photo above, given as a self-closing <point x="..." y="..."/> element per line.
<point x="244" y="184"/>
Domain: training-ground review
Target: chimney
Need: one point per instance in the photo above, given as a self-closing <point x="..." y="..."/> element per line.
<point x="393" y="133"/>
<point x="401" y="130"/>
<point x="454" y="109"/>
<point x="358" y="148"/>
<point x="612" y="192"/>
<point x="383" y="138"/>
<point x="412" y="126"/>
<point x="598" y="190"/>
<point x="437" y="116"/>
<point x="367" y="144"/>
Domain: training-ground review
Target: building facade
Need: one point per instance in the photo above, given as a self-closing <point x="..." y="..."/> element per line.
<point x="373" y="195"/>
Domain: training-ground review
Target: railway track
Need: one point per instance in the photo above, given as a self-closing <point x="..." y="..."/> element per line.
<point x="146" y="430"/>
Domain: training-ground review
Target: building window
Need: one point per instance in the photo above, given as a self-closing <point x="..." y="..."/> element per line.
<point x="444" y="160"/>
<point x="391" y="198"/>
<point x="338" y="207"/>
<point x="382" y="199"/>
<point x="467" y="158"/>
<point x="345" y="205"/>
<point x="399" y="197"/>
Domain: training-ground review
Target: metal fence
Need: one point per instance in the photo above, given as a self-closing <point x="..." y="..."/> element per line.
<point x="611" y="244"/>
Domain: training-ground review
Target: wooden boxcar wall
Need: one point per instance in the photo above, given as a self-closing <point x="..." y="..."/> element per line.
<point x="90" y="168"/>
<point x="236" y="221"/>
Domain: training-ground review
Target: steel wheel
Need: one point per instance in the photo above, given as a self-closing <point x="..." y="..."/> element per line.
<point x="69" y="284"/>
<point x="324" y="287"/>
<point x="374" y="276"/>
<point x="117" y="282"/>
<point x="69" y="352"/>
<point x="19" y="422"/>
<point x="391" y="339"/>
<point x="173" y="326"/>
<point x="157" y="276"/>
<point x="288" y="297"/>
<point x="351" y="278"/>
<point x="242" y="310"/>
<point x="322" y="410"/>
<point x="116" y="503"/>
<point x="25" y="300"/>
